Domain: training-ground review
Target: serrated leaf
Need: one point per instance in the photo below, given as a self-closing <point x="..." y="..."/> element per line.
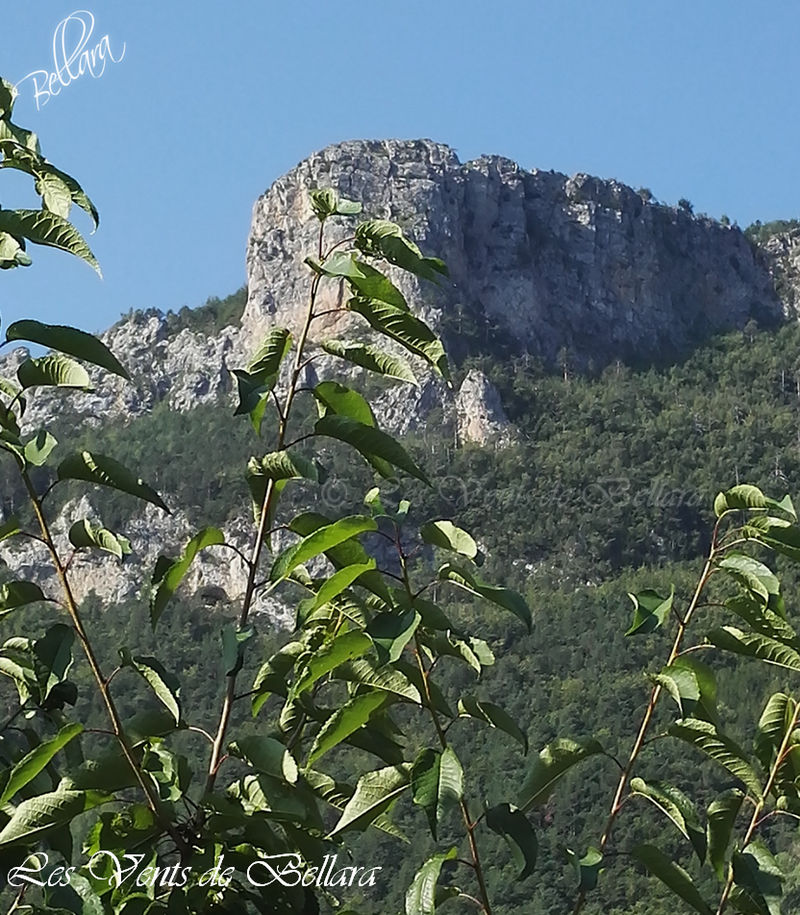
<point x="163" y="683"/>
<point x="105" y="471"/>
<point x="502" y="597"/>
<point x="345" y="721"/>
<point x="267" y="755"/>
<point x="321" y="540"/>
<point x="672" y="875"/>
<point x="421" y="895"/>
<point x="377" y="447"/>
<point x="721" y="817"/>
<point x="677" y="807"/>
<point x="387" y="678"/>
<point x="721" y="748"/>
<point x="693" y="686"/>
<point x="753" y="645"/>
<point x="512" y="824"/>
<point x="68" y="340"/>
<point x="494" y="716"/>
<point x="404" y="328"/>
<point x="50" y="229"/>
<point x="339" y="582"/>
<point x="37" y="760"/>
<point x="169" y="574"/>
<point x="38" y="814"/>
<point x="372" y="359"/>
<point x="330" y="655"/>
<point x="650" y="611"/>
<point x="751" y="574"/>
<point x="375" y="793"/>
<point x="55" y="370"/>
<point x="437" y="784"/>
<point x="447" y="536"/>
<point x="372" y="284"/>
<point x="83" y="535"/>
<point x="381" y="238"/>
<point x="552" y="764"/>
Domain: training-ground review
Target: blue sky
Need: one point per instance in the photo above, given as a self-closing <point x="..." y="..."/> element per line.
<point x="212" y="102"/>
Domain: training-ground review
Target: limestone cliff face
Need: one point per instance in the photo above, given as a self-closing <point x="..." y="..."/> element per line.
<point x="556" y="262"/>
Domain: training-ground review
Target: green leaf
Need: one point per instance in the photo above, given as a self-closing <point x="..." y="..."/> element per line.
<point x="705" y="736"/>
<point x="751" y="574"/>
<point x="650" y="611"/>
<point x="326" y="202"/>
<point x="493" y="715"/>
<point x="678" y="807"/>
<point x="757" y="872"/>
<point x="84" y="535"/>
<point x="37" y="760"/>
<point x="381" y="238"/>
<point x="437" y="784"/>
<point x="374" y="445"/>
<point x="267" y="755"/>
<point x="552" y="764"/>
<point x="672" y="875"/>
<point x="721" y="816"/>
<point x="405" y="329"/>
<point x="340" y="581"/>
<point x="44" y="228"/>
<point x="284" y="465"/>
<point x="105" y="471"/>
<point x="164" y="684"/>
<point x="693" y="686"/>
<point x="753" y="645"/>
<point x="16" y="594"/>
<point x="273" y="674"/>
<point x="233" y="643"/>
<point x="372" y="284"/>
<point x="587" y="869"/>
<point x="9" y="528"/>
<point x="331" y="654"/>
<point x="372" y="359"/>
<point x="38" y="814"/>
<point x="391" y="633"/>
<point x="55" y="370"/>
<point x="271" y="353"/>
<point x="421" y="895"/>
<point x="321" y="540"/>
<point x="346" y="720"/>
<point x="447" y="536"/>
<point x="37" y="450"/>
<point x="747" y="498"/>
<point x="375" y="793"/>
<point x="336" y="398"/>
<point x="340" y="264"/>
<point x="512" y="824"/>
<point x="387" y="678"/>
<point x="169" y="574"/>
<point x="503" y="597"/>
<point x="68" y="340"/>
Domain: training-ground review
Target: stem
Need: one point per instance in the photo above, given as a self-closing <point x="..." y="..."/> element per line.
<point x="756" y="817"/>
<point x="655" y="695"/>
<point x="440" y="733"/>
<point x="261" y="536"/>
<point x="102" y="683"/>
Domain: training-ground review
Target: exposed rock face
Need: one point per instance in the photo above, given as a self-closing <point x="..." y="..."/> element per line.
<point x="553" y="263"/>
<point x="481" y="417"/>
<point x="557" y="262"/>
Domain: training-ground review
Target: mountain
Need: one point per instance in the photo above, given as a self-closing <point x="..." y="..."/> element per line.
<point x="574" y="272"/>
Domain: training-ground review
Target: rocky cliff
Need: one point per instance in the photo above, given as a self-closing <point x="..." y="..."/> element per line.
<point x="558" y="267"/>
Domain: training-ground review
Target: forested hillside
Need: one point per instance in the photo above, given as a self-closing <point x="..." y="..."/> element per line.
<point x="606" y="488"/>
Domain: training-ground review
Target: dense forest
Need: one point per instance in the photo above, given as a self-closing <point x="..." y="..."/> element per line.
<point x="607" y="488"/>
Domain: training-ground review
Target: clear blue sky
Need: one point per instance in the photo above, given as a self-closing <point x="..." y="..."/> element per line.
<point x="214" y="101"/>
